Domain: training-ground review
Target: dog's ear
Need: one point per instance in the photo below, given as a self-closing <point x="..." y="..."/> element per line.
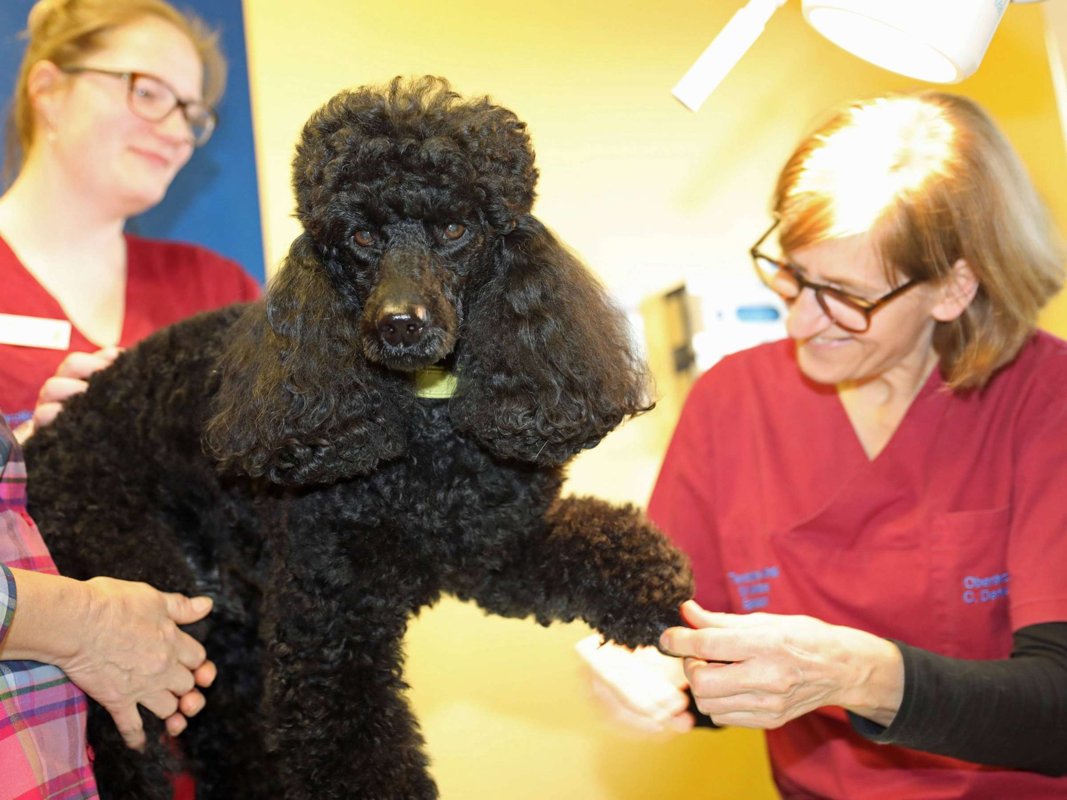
<point x="548" y="365"/>
<point x="297" y="402"/>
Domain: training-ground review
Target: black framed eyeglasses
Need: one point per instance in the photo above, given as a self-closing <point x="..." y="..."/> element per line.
<point x="153" y="100"/>
<point x="846" y="310"/>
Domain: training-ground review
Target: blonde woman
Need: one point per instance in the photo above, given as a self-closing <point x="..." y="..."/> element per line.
<point x="874" y="506"/>
<point x="112" y="99"/>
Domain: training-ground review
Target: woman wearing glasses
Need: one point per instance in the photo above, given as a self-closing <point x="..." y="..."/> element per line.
<point x="874" y="507"/>
<point x="112" y="98"/>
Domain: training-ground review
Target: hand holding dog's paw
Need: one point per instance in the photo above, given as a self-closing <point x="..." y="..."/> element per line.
<point x="129" y="651"/>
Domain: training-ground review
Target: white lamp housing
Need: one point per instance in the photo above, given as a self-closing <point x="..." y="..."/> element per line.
<point x="941" y="41"/>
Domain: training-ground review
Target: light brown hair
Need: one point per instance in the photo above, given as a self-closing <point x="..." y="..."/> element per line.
<point x="933" y="180"/>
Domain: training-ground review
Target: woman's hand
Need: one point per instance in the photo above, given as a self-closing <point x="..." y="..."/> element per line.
<point x="71" y="378"/>
<point x="763" y="670"/>
<point x="642" y="689"/>
<point x="118" y="641"/>
<point x="132" y="652"/>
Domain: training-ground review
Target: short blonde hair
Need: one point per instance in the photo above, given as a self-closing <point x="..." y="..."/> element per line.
<point x="65" y="31"/>
<point x="933" y="180"/>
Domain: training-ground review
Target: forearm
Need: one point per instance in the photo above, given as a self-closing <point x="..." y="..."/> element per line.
<point x="49" y="617"/>
<point x="1009" y="712"/>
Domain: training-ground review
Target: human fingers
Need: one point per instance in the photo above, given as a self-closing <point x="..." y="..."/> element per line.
<point x="698" y="617"/>
<point x="53" y="394"/>
<point x="176" y="724"/>
<point x="109" y="353"/>
<point x="761" y="692"/>
<point x="59" y="389"/>
<point x="205" y="674"/>
<point x="161" y="703"/>
<point x="638" y="722"/>
<point x="191" y="703"/>
<point x="642" y="679"/>
<point x="721" y="694"/>
<point x="727" y="645"/>
<point x="655" y="699"/>
<point x="129" y="724"/>
<point x="189" y="653"/>
<point x="177" y="680"/>
<point x="750" y="710"/>
<point x="718" y="636"/>
<point x="185" y="610"/>
<point x="45" y="414"/>
<point x="82" y="365"/>
<point x="708" y="644"/>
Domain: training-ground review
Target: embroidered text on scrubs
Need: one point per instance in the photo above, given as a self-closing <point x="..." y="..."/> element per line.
<point x="754" y="587"/>
<point x="985" y="589"/>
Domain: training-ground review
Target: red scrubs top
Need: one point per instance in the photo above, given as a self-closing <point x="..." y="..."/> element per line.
<point x="954" y="536"/>
<point x="166" y="282"/>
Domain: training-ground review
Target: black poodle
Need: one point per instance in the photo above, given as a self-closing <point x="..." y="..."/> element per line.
<point x="389" y="424"/>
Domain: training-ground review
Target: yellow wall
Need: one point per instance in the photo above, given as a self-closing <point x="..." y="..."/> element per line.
<point x="650" y="194"/>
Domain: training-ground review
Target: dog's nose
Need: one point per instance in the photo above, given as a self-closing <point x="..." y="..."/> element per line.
<point x="403" y="327"/>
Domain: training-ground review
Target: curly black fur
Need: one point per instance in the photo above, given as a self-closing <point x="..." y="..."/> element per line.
<point x="276" y="457"/>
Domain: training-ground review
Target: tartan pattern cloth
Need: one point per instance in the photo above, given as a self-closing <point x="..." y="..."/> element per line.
<point x="43" y="750"/>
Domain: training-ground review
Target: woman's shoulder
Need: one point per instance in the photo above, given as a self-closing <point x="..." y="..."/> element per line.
<point x="1043" y="357"/>
<point x="1038" y="372"/>
<point x="172" y="263"/>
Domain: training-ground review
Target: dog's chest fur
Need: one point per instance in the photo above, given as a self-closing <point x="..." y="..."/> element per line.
<point x="443" y="506"/>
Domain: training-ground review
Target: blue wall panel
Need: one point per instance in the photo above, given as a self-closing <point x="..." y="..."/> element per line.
<point x="214" y="201"/>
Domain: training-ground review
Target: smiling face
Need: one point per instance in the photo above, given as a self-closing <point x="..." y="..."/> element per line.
<point x="899" y="341"/>
<point x="105" y="151"/>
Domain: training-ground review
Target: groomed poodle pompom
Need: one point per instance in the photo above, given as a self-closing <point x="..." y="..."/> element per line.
<point x="415" y="143"/>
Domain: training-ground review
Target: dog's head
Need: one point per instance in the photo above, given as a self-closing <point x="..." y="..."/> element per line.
<point x="419" y="248"/>
<point x="403" y="194"/>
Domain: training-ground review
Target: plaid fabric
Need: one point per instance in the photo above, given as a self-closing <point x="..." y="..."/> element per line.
<point x="43" y="752"/>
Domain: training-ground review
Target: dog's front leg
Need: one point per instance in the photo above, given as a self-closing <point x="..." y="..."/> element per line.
<point x="586" y="559"/>
<point x="620" y="573"/>
<point x="338" y="725"/>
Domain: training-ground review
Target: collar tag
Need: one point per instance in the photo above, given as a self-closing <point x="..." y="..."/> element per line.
<point x="435" y="383"/>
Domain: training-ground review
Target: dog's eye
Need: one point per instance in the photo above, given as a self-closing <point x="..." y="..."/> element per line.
<point x="453" y="231"/>
<point x="363" y="238"/>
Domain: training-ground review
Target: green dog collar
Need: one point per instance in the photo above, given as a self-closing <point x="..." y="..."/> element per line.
<point x="436" y="383"/>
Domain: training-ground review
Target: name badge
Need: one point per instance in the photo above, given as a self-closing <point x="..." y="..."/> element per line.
<point x="51" y="334"/>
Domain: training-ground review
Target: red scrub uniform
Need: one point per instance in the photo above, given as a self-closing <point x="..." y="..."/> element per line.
<point x="166" y="282"/>
<point x="954" y="536"/>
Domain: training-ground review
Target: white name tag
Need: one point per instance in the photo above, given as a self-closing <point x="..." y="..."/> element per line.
<point x="52" y="334"/>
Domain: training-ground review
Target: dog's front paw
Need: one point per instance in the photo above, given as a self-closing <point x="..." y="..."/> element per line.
<point x="646" y="602"/>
